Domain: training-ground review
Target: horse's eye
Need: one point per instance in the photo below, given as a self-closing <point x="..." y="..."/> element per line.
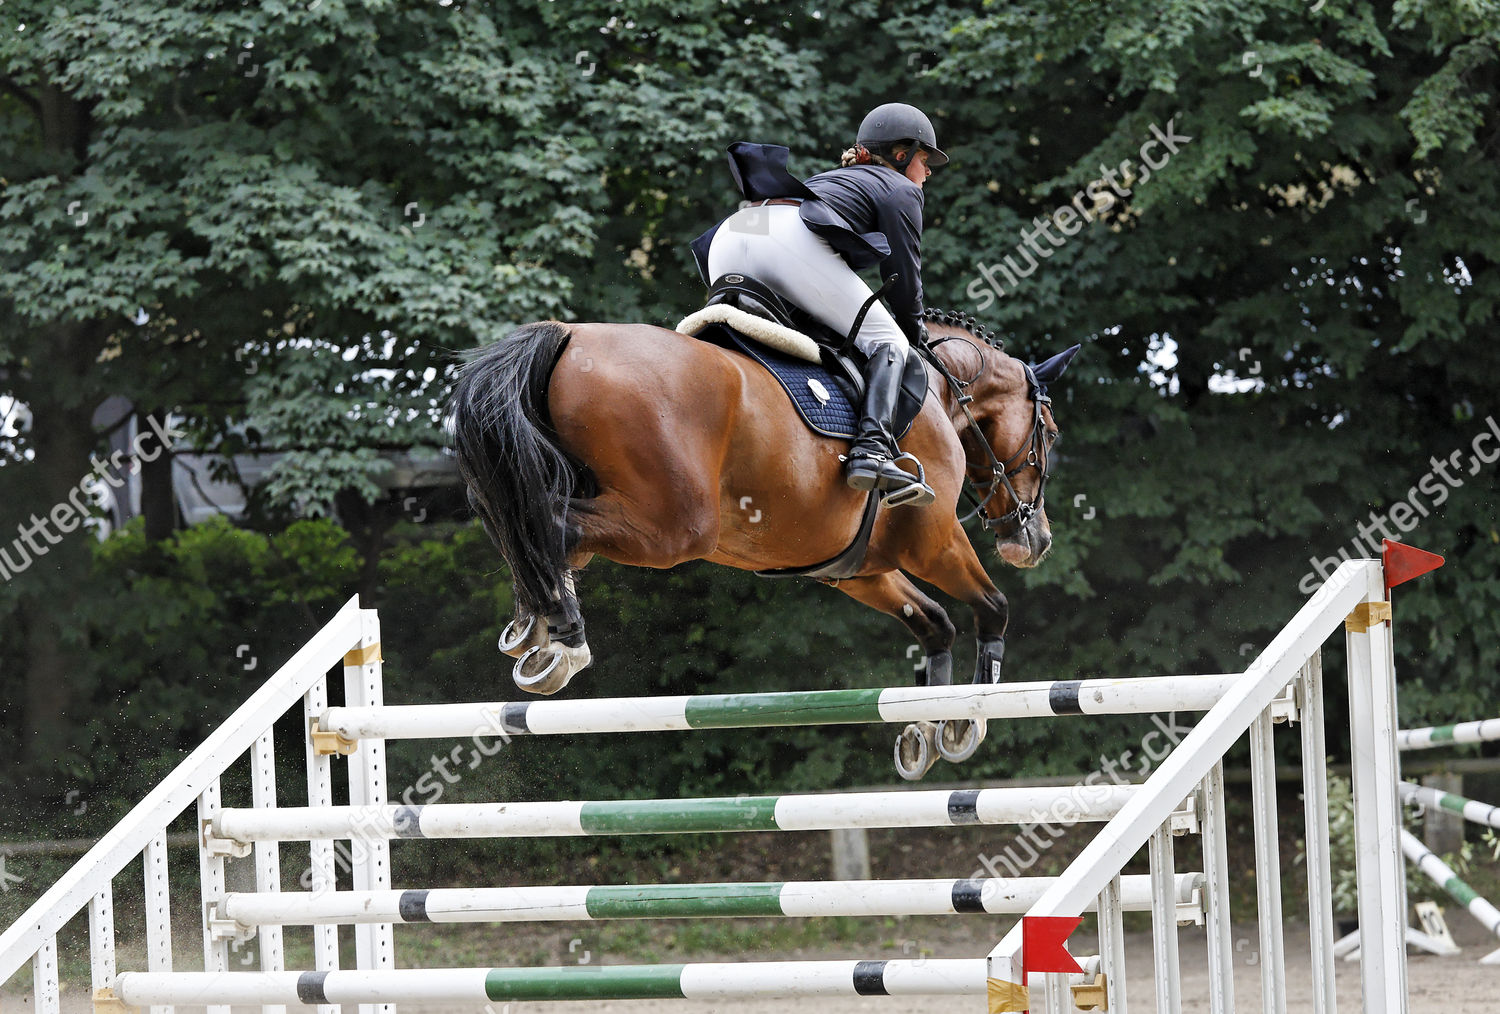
<point x="1053" y="438"/>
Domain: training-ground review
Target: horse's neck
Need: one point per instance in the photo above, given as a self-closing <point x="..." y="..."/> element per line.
<point x="965" y="362"/>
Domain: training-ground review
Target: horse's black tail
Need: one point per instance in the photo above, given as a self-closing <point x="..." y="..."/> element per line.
<point x="519" y="479"/>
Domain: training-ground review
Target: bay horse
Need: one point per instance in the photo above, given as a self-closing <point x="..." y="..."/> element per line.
<point x="653" y="448"/>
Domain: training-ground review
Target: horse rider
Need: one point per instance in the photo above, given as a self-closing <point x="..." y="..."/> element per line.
<point x="806" y="239"/>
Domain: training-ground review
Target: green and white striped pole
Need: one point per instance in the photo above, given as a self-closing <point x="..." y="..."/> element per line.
<point x="821" y="812"/>
<point x="1447" y="735"/>
<point x="794" y="899"/>
<point x="1438" y="872"/>
<point x="897" y="705"/>
<point x="702" y="981"/>
<point x="1469" y="809"/>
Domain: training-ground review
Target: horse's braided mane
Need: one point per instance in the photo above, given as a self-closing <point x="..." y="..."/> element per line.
<point x="968" y="323"/>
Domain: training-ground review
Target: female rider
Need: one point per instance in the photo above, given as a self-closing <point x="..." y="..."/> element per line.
<point x="806" y="239"/>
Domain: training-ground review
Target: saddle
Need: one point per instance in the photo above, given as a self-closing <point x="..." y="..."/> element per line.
<point x="819" y="369"/>
<point x="821" y="372"/>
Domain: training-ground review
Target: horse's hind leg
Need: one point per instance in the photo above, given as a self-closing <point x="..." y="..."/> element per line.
<point x="658" y="524"/>
<point x="550" y="650"/>
<point x="919" y="744"/>
<point x="546" y="667"/>
<point x="522" y="633"/>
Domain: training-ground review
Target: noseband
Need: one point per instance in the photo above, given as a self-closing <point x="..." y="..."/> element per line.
<point x="1001" y="472"/>
<point x="1035" y="454"/>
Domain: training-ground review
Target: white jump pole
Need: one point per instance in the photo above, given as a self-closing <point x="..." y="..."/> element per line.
<point x="1127" y="696"/>
<point x="667" y="901"/>
<point x="933" y="808"/>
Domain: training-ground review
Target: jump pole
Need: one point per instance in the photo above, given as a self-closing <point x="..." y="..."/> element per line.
<point x="1469" y="809"/>
<point x="1128" y="696"/>
<point x="794" y="899"/>
<point x="742" y="980"/>
<point x="1447" y="735"/>
<point x="1438" y="872"/>
<point x="929" y="808"/>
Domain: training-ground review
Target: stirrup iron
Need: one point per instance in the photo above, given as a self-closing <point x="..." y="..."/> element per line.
<point x="916" y="492"/>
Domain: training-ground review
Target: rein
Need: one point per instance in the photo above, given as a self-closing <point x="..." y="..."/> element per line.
<point x="1001" y="472"/>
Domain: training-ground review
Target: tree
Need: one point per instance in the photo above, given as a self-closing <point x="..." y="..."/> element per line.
<point x="1287" y="321"/>
<point x="254" y="183"/>
<point x="308" y="208"/>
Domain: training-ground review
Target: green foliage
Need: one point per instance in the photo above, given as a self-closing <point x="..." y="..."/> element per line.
<point x="1327" y="244"/>
<point x="173" y="638"/>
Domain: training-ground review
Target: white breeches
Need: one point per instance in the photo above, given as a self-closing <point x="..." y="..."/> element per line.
<point x="770" y="243"/>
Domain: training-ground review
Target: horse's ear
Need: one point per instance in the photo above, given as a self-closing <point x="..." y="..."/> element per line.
<point x="1050" y="370"/>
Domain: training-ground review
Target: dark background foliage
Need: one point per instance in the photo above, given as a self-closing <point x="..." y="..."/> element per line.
<point x="317" y="208"/>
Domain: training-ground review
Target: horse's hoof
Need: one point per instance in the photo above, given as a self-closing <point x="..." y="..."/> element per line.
<point x="958" y="738"/>
<point x="546" y="670"/>
<point x="515" y="641"/>
<point x="915" y="754"/>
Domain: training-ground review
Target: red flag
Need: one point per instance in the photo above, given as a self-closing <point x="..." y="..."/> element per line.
<point x="1402" y="562"/>
<point x="1043" y="943"/>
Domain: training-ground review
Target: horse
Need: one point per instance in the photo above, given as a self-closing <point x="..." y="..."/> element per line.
<point x="646" y="446"/>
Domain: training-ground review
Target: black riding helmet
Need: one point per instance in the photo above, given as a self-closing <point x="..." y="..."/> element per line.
<point x="895" y="123"/>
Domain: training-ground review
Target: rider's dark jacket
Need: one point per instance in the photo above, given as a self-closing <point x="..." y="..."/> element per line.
<point x="870" y="214"/>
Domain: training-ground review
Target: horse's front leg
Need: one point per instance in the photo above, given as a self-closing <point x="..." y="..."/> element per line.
<point x="893" y="593"/>
<point x="955" y="568"/>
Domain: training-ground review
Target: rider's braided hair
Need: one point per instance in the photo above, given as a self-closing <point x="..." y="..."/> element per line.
<point x="860" y="155"/>
<point x="967" y="322"/>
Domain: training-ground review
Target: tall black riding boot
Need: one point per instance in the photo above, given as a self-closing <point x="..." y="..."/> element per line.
<point x="872" y="456"/>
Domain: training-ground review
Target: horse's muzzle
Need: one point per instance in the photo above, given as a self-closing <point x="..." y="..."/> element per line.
<point x="1028" y="546"/>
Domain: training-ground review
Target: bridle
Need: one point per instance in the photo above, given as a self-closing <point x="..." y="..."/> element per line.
<point x="1002" y="472"/>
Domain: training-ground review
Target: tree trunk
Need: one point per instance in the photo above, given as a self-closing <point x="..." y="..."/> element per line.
<point x="40" y="515"/>
<point x="56" y="548"/>
<point x="158" y="495"/>
<point x="367" y="525"/>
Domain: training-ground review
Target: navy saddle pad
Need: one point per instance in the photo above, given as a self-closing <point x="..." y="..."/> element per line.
<point x="824" y="400"/>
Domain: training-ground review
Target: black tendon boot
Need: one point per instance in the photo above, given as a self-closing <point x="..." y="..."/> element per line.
<point x="872" y="456"/>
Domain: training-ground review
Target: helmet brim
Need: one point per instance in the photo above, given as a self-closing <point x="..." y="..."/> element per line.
<point x="935" y="156"/>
